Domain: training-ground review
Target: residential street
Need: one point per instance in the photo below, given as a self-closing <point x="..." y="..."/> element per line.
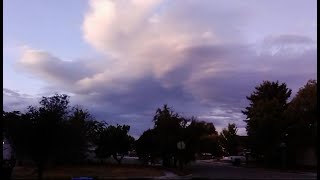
<point x="224" y="170"/>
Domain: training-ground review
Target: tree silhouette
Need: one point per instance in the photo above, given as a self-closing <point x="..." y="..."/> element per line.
<point x="228" y="139"/>
<point x="114" y="141"/>
<point x="53" y="131"/>
<point x="265" y="117"/>
<point x="301" y="117"/>
<point x="167" y="126"/>
<point x="169" y="129"/>
<point x="211" y="144"/>
<point x="147" y="146"/>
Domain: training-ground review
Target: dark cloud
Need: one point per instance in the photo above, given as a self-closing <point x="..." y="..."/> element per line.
<point x="212" y="84"/>
<point x="44" y="65"/>
<point x="15" y="101"/>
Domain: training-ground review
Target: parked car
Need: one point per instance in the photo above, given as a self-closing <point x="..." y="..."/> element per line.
<point x="237" y="160"/>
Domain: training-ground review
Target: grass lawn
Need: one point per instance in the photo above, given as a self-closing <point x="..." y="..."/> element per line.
<point x="89" y="171"/>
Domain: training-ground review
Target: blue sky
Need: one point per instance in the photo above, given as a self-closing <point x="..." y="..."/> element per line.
<point x="31" y="24"/>
<point x="123" y="59"/>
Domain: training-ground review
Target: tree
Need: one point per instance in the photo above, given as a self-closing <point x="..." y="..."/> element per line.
<point x="12" y="124"/>
<point x="302" y="118"/>
<point x="228" y="139"/>
<point x="114" y="141"/>
<point x="169" y="129"/>
<point x="147" y="146"/>
<point x="265" y="117"/>
<point x="39" y="137"/>
<point x="195" y="136"/>
<point x="77" y="135"/>
<point x="52" y="131"/>
<point x="167" y="126"/>
<point x="211" y="144"/>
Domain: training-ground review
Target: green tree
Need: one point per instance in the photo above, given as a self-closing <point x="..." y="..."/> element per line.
<point x="40" y="137"/>
<point x="169" y="129"/>
<point x="77" y="135"/>
<point x="228" y="139"/>
<point x="114" y="141"/>
<point x="167" y="126"/>
<point x="147" y="146"/>
<point x="53" y="131"/>
<point x="13" y="126"/>
<point x="301" y="118"/>
<point x="193" y="135"/>
<point x="265" y="117"/>
<point x="211" y="144"/>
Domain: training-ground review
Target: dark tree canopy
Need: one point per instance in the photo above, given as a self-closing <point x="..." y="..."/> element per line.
<point x="229" y="140"/>
<point x="169" y="129"/>
<point x="210" y="144"/>
<point x="114" y="141"/>
<point x="147" y="147"/>
<point x="301" y="117"/>
<point x="52" y="132"/>
<point x="265" y="116"/>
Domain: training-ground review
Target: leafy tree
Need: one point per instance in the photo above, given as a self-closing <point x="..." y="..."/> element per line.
<point x="301" y="117"/>
<point x="39" y="136"/>
<point x="228" y="139"/>
<point x="169" y="129"/>
<point x="211" y="144"/>
<point x="77" y="135"/>
<point x="199" y="137"/>
<point x="11" y="125"/>
<point x="147" y="146"/>
<point x="53" y="131"/>
<point x="193" y="135"/>
<point x="265" y="117"/>
<point x="167" y="126"/>
<point x="114" y="141"/>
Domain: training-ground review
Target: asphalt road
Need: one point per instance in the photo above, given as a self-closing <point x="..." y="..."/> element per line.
<point x="224" y="170"/>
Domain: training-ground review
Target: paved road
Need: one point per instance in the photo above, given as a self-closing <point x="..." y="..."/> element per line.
<point x="223" y="170"/>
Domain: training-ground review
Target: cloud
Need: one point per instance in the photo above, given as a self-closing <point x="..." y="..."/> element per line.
<point x="15" y="101"/>
<point x="43" y="65"/>
<point x="191" y="55"/>
<point x="287" y="43"/>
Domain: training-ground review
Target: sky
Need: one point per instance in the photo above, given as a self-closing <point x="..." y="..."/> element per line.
<point x="122" y="59"/>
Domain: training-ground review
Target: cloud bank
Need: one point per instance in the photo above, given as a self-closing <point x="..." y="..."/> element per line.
<point x="193" y="55"/>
